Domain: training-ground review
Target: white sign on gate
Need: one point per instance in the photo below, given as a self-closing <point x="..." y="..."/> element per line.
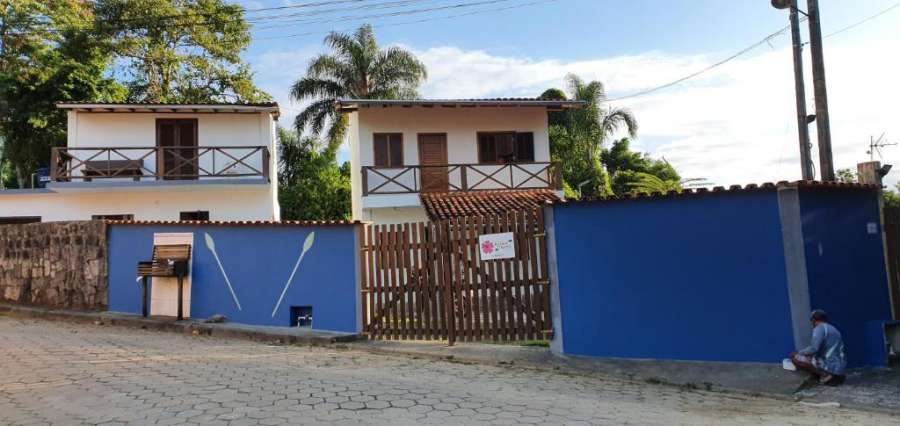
<point x="496" y="246"/>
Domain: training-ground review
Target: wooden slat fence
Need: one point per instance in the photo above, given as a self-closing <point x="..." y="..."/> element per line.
<point x="426" y="281"/>
<point x="892" y="240"/>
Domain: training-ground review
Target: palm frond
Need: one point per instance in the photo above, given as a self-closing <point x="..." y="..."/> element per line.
<point x="616" y="118"/>
<point x="314" y="88"/>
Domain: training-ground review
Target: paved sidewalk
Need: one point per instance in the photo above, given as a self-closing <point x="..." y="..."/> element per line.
<point x="66" y="373"/>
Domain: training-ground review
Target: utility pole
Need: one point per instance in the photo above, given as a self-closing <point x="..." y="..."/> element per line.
<point x="800" y="91"/>
<point x="826" y="166"/>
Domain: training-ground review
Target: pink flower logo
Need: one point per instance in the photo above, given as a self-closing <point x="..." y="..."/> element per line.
<point x="487" y="247"/>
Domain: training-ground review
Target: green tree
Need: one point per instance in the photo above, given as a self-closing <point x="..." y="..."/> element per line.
<point x="626" y="168"/>
<point x="355" y="68"/>
<point x="577" y="136"/>
<point x="180" y="50"/>
<point x="891" y="199"/>
<point x="846" y="176"/>
<point x="47" y="54"/>
<point x="311" y="184"/>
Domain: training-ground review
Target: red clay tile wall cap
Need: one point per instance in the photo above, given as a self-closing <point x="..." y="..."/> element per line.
<point x="721" y="189"/>
<point x="238" y="222"/>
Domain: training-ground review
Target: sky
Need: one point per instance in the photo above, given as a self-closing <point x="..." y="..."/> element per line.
<point x="732" y="125"/>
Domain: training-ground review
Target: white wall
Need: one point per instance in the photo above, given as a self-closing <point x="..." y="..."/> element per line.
<point x="223" y="203"/>
<point x="460" y="124"/>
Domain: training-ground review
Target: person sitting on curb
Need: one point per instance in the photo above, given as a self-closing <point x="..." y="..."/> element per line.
<point x="824" y="357"/>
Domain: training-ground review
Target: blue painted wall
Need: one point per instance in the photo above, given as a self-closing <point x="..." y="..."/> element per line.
<point x="690" y="278"/>
<point x="845" y="265"/>
<point x="258" y="261"/>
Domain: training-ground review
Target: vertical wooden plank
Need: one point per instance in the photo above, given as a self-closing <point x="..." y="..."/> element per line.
<point x="403" y="278"/>
<point x="474" y="283"/>
<point x="392" y="281"/>
<point x="364" y="273"/>
<point x="535" y="288"/>
<point x="433" y="282"/>
<point x="416" y="283"/>
<point x="487" y="302"/>
<point x="515" y="314"/>
<point x="543" y="278"/>
<point x="459" y="294"/>
<point x="526" y="287"/>
<point x="522" y="312"/>
<point x="497" y="269"/>
<point x="449" y="313"/>
<point x="439" y="304"/>
<point x="409" y="287"/>
<point x="370" y="237"/>
<point x="378" y="321"/>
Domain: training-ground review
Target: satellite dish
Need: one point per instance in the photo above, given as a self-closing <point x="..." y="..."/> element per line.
<point x="782" y="4"/>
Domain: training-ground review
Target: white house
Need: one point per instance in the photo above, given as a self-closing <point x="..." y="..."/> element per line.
<point x="412" y="160"/>
<point x="151" y="161"/>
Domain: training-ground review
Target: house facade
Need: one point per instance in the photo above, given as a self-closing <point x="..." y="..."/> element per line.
<point x="157" y="162"/>
<point x="410" y="155"/>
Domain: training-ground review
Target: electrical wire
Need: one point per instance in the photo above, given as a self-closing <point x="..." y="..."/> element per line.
<point x="743" y="52"/>
<point x="418" y="21"/>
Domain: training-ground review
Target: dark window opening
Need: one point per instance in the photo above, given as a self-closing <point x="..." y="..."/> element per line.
<point x="388" y="149"/>
<point x="112" y="217"/>
<point x="198" y="215"/>
<point x="505" y="147"/>
<point x="19" y="220"/>
<point x="301" y="316"/>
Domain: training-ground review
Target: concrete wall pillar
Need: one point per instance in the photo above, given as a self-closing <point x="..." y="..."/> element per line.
<point x="795" y="264"/>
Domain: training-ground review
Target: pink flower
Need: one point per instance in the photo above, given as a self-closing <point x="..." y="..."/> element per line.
<point x="487" y="247"/>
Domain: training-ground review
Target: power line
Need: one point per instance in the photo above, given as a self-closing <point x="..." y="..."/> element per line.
<point x="745" y="51"/>
<point x="418" y="21"/>
<point x="858" y="23"/>
<point x="395" y="14"/>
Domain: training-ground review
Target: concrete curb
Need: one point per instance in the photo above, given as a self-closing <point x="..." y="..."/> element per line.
<point x="281" y="335"/>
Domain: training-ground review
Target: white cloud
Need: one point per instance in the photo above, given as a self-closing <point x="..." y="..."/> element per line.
<point x="733" y="125"/>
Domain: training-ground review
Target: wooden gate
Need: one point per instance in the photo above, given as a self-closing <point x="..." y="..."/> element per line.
<point x="426" y="281"/>
<point x="892" y="242"/>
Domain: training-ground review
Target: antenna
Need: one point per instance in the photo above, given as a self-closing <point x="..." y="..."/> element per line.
<point x="875" y="146"/>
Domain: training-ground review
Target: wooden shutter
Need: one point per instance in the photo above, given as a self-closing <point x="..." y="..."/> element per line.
<point x="525" y="147"/>
<point x="395" y="146"/>
<point x="487" y="149"/>
<point x="388" y="149"/>
<point x="380" y="143"/>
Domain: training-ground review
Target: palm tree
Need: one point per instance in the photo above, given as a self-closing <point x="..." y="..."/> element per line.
<point x="650" y="184"/>
<point x="356" y="68"/>
<point x="577" y="135"/>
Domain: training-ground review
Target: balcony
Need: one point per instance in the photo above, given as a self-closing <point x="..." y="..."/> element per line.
<point x="219" y="163"/>
<point x="459" y="177"/>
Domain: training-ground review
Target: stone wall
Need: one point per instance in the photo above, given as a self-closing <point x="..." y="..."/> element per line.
<point x="56" y="264"/>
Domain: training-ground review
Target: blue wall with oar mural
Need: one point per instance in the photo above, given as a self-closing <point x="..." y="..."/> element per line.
<point x="252" y="274"/>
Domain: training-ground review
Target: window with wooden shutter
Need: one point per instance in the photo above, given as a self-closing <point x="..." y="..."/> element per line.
<point x="525" y="147"/>
<point x="388" y="149"/>
<point x="505" y="147"/>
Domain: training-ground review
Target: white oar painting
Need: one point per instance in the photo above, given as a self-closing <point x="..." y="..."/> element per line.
<point x="307" y="245"/>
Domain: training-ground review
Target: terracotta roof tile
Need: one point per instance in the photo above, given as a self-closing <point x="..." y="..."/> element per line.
<point x="446" y="205"/>
<point x="767" y="186"/>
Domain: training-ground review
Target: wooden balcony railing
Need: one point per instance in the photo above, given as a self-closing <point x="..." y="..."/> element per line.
<point x="159" y="163"/>
<point x="459" y="177"/>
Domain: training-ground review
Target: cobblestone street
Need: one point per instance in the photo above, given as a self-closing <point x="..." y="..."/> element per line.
<point x="60" y="373"/>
